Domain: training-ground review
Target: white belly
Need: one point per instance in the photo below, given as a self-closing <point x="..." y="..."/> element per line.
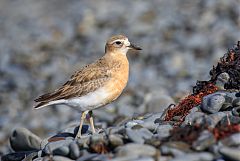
<point x="90" y="101"/>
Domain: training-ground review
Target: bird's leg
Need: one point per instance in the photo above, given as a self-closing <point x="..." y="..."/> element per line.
<point x="83" y="116"/>
<point x="91" y="122"/>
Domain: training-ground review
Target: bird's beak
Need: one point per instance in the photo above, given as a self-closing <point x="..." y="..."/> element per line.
<point x="134" y="47"/>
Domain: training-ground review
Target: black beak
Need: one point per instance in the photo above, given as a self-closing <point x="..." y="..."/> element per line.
<point x="131" y="46"/>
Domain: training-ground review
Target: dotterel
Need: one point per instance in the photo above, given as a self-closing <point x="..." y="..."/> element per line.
<point x="96" y="84"/>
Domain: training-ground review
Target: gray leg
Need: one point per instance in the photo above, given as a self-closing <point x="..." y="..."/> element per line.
<point x="83" y="116"/>
<point x="91" y="122"/>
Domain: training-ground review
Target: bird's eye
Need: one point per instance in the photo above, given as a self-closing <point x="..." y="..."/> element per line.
<point x="118" y="42"/>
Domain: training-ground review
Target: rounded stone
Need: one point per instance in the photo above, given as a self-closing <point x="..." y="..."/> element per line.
<point x="236" y="102"/>
<point x="212" y="103"/>
<point x="230" y="153"/>
<point x="24" y="140"/>
<point x="74" y="151"/>
<point x="115" y="140"/>
<point x="163" y="131"/>
<point x="63" y="151"/>
<point x="133" y="149"/>
<point x="236" y="111"/>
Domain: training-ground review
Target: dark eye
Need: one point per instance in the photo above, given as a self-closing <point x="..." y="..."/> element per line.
<point x="118" y="42"/>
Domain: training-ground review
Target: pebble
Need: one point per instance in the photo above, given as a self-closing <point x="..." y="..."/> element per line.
<point x="133" y="149"/>
<point x="202" y="156"/>
<point x="212" y="103"/>
<point x="16" y="156"/>
<point x="51" y="146"/>
<point x="24" y="140"/>
<point x="191" y="118"/>
<point x="204" y="141"/>
<point x="236" y="111"/>
<point x="93" y="157"/>
<point x="138" y="135"/>
<point x="236" y="102"/>
<point x="60" y="158"/>
<point x="222" y="79"/>
<point x="175" y="148"/>
<point x="230" y="153"/>
<point x="232" y="140"/>
<point x="74" y="150"/>
<point x="213" y="119"/>
<point x="163" y="131"/>
<point x="115" y="140"/>
<point x="62" y="150"/>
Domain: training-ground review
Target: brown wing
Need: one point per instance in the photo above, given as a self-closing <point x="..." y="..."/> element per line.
<point x="82" y="82"/>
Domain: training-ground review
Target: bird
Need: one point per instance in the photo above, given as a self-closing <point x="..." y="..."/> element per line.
<point x="95" y="85"/>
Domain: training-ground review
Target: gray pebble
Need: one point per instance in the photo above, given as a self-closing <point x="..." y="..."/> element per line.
<point x="236" y="111"/>
<point x="202" y="156"/>
<point x="191" y="118"/>
<point x="24" y="140"/>
<point x="163" y="131"/>
<point x="74" y="150"/>
<point x="133" y="149"/>
<point x="232" y="140"/>
<point x="15" y="156"/>
<point x="236" y="102"/>
<point x="93" y="157"/>
<point x="60" y="158"/>
<point x="62" y="151"/>
<point x="175" y="148"/>
<point x="204" y="141"/>
<point x="51" y="146"/>
<point x="213" y="119"/>
<point x="230" y="153"/>
<point x="212" y="103"/>
<point x="221" y="80"/>
<point x="115" y="140"/>
<point x="138" y="135"/>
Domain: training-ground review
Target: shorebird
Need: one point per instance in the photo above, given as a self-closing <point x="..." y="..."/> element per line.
<point x="96" y="84"/>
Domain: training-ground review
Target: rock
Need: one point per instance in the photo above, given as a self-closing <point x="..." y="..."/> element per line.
<point x="74" y="151"/>
<point x="115" y="140"/>
<point x="230" y="119"/>
<point x="191" y="118"/>
<point x="51" y="146"/>
<point x="236" y="102"/>
<point x="138" y="135"/>
<point x="236" y="111"/>
<point x="202" y="156"/>
<point x="16" y="156"/>
<point x="204" y="141"/>
<point x="60" y="158"/>
<point x="212" y="103"/>
<point x="133" y="149"/>
<point x="31" y="156"/>
<point x="163" y="131"/>
<point x="213" y="119"/>
<point x="93" y="157"/>
<point x="24" y="140"/>
<point x="149" y="123"/>
<point x="125" y="158"/>
<point x="175" y="148"/>
<point x="221" y="80"/>
<point x="230" y="153"/>
<point x="232" y="140"/>
<point x="62" y="151"/>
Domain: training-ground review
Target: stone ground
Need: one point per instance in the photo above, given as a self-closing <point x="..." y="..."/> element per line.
<point x="43" y="42"/>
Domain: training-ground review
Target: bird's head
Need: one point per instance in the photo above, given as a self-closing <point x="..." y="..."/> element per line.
<point x="119" y="44"/>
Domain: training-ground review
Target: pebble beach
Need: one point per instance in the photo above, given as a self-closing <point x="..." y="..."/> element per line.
<point x="176" y="106"/>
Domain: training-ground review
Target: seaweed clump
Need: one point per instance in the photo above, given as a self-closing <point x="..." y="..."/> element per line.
<point x="230" y="64"/>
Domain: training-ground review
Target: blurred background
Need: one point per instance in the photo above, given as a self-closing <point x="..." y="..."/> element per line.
<point x="43" y="42"/>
